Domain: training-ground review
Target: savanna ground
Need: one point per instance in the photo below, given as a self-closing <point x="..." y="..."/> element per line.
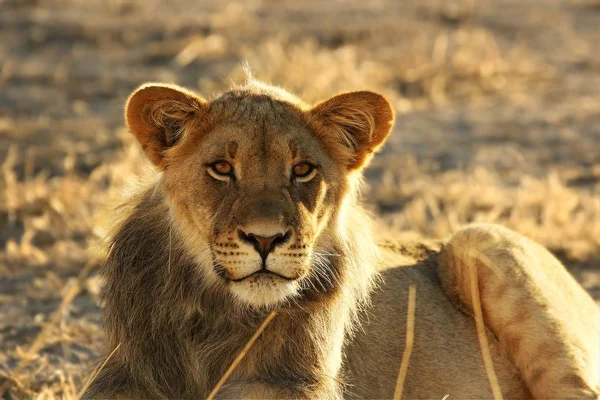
<point x="498" y="119"/>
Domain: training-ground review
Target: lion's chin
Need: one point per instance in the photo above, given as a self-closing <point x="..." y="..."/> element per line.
<point x="264" y="291"/>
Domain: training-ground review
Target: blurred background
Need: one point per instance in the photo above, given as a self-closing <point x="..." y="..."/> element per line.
<point x="498" y="120"/>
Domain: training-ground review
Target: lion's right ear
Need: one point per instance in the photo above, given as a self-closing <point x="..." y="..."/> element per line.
<point x="159" y="115"/>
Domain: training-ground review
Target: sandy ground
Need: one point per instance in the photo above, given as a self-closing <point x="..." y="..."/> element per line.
<point x="498" y="120"/>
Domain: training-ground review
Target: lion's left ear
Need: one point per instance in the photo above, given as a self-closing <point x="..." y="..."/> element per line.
<point x="352" y="125"/>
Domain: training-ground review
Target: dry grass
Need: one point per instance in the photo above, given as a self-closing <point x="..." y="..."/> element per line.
<point x="482" y="334"/>
<point x="497" y="122"/>
<point x="90" y="379"/>
<point x="564" y="218"/>
<point x="241" y="356"/>
<point x="409" y="341"/>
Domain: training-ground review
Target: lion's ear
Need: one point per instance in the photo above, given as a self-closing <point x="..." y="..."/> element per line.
<point x="353" y="125"/>
<point x="159" y="115"/>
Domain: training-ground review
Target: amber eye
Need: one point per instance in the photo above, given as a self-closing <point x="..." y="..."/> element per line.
<point x="304" y="172"/>
<point x="223" y="167"/>
<point x="221" y="170"/>
<point x="302" y="169"/>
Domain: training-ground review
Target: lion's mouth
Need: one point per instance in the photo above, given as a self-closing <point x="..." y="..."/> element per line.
<point x="263" y="272"/>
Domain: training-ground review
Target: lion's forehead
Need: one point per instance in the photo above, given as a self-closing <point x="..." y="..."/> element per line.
<point x="263" y="148"/>
<point x="257" y="108"/>
<point x="259" y="133"/>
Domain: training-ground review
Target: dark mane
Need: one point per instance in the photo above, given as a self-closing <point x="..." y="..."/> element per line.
<point x="169" y="323"/>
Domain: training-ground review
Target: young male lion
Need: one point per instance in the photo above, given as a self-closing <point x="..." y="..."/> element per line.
<point x="256" y="210"/>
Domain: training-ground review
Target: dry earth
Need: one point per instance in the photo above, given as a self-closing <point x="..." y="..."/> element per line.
<point x="498" y="120"/>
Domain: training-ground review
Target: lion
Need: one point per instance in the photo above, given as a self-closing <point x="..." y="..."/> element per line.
<point x="256" y="209"/>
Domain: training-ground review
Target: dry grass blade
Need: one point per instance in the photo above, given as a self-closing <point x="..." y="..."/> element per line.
<point x="70" y="294"/>
<point x="88" y="382"/>
<point x="483" y="343"/>
<point x="410" y="336"/>
<point x="241" y="356"/>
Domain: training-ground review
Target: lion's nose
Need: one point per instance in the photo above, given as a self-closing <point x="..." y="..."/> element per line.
<point x="264" y="244"/>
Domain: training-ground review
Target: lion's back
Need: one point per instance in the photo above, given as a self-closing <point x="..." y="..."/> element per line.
<point x="446" y="355"/>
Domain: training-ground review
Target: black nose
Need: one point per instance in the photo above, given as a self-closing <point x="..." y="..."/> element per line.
<point x="264" y="245"/>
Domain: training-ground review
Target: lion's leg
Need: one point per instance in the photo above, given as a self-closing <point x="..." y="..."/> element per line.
<point x="544" y="320"/>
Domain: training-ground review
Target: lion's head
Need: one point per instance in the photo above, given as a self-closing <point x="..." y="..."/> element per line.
<point x="256" y="179"/>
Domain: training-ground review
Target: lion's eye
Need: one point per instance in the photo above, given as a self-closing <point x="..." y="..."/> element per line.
<point x="221" y="170"/>
<point x="304" y="172"/>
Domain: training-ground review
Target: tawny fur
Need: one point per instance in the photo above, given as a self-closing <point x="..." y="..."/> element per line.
<point x="174" y="304"/>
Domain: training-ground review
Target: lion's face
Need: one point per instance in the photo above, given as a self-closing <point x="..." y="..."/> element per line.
<point x="254" y="186"/>
<point x="260" y="194"/>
